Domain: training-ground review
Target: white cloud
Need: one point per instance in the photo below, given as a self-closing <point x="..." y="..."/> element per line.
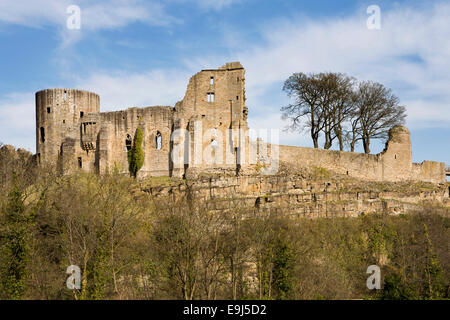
<point x="120" y="90"/>
<point x="410" y="54"/>
<point x="210" y="4"/>
<point x="95" y="15"/>
<point x="17" y="123"/>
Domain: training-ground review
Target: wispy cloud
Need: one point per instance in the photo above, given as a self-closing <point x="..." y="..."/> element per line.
<point x="120" y="89"/>
<point x="95" y="15"/>
<point x="215" y="5"/>
<point x="17" y="123"/>
<point x="411" y="54"/>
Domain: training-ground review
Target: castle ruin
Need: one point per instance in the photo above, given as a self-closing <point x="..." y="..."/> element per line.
<point x="207" y="131"/>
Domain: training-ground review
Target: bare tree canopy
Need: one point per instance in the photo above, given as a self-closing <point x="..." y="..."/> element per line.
<point x="305" y="90"/>
<point x="335" y="105"/>
<point x="378" y="110"/>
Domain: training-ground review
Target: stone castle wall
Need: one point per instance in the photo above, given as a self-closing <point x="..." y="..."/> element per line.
<point x="393" y="164"/>
<point x="207" y="132"/>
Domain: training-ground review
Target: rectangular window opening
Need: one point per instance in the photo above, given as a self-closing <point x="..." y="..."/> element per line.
<point x="210" y="96"/>
<point x="81" y="114"/>
<point x="211" y="80"/>
<point x="42" y="134"/>
<point x="48" y="110"/>
<point x="80" y="163"/>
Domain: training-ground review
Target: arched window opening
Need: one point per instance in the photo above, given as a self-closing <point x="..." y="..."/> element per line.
<point x="158" y="141"/>
<point x="42" y="135"/>
<point x="128" y="142"/>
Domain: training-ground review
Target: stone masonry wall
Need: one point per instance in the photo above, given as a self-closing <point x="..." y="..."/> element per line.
<point x="207" y="130"/>
<point x="393" y="164"/>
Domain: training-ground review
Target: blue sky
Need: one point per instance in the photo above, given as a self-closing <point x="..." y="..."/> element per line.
<point x="141" y="53"/>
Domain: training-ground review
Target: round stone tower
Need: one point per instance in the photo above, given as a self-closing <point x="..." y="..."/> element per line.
<point x="59" y="113"/>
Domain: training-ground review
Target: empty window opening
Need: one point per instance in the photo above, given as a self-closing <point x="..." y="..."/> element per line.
<point x="211" y="80"/>
<point x="80" y="163"/>
<point x="237" y="97"/>
<point x="64" y="121"/>
<point x="237" y="79"/>
<point x="48" y="110"/>
<point x="203" y="116"/>
<point x="395" y="156"/>
<point x="81" y="114"/>
<point x="158" y="141"/>
<point x="128" y="142"/>
<point x="210" y="96"/>
<point x="42" y="135"/>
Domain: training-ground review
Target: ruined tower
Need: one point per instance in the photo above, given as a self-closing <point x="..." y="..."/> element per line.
<point x="214" y="113"/>
<point x="59" y="113"/>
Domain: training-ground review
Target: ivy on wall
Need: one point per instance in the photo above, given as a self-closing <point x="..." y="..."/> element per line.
<point x="136" y="153"/>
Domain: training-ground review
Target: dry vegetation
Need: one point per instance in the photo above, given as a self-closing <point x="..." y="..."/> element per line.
<point x="130" y="246"/>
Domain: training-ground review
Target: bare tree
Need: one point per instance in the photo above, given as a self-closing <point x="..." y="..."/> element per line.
<point x="376" y="111"/>
<point x="342" y="104"/>
<point x="325" y="99"/>
<point x="330" y="103"/>
<point x="305" y="90"/>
